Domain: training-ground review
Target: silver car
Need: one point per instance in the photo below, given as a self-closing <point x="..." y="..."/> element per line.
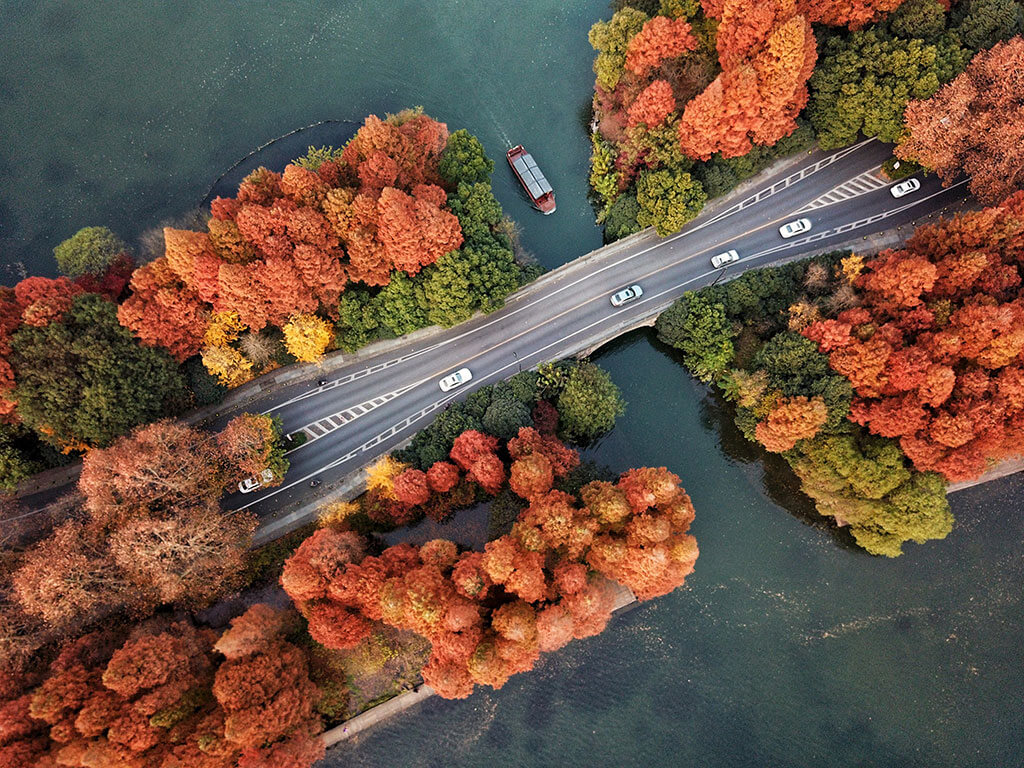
<point x="453" y="380"/>
<point x="797" y="227"/>
<point x="626" y="295"/>
<point x="250" y="484"/>
<point x="904" y="187"/>
<point x="727" y="257"/>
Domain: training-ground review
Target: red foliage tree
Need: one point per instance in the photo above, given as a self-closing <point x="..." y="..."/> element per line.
<point x="44" y="300"/>
<point x="652" y="106"/>
<point x="411" y="487"/>
<point x="470" y="446"/>
<point x="442" y="476"/>
<point x="973" y="124"/>
<point x="940" y="328"/>
<point x="661" y="38"/>
<point x="163" y="312"/>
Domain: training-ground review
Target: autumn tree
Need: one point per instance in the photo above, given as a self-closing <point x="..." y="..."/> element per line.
<point x="970" y="126"/>
<point x="653" y="105"/>
<point x="164" y="312"/>
<point x="660" y="38"/>
<point x="792" y="419"/>
<point x="152" y="472"/>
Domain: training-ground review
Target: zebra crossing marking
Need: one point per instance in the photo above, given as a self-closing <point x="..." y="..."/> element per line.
<point x="863" y="184"/>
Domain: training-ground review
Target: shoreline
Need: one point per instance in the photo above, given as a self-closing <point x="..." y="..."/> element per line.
<point x="348" y="729"/>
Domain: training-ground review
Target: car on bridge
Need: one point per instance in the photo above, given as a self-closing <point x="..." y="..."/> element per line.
<point x="250" y="484"/>
<point x="727" y="257"/>
<point x="453" y="380"/>
<point x="904" y="187"/>
<point x="627" y="295"/>
<point x="795" y="227"/>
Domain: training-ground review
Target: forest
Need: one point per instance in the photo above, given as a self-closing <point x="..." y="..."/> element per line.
<point x="692" y="98"/>
<point x="91" y="680"/>
<point x="879" y="379"/>
<point x="396" y="231"/>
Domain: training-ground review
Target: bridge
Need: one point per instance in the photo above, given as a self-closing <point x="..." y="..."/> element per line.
<point x="373" y="401"/>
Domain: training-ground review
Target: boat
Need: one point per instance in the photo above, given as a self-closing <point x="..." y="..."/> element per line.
<point x="536" y="186"/>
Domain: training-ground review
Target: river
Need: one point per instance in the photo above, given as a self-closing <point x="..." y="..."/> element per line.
<point x="787" y="647"/>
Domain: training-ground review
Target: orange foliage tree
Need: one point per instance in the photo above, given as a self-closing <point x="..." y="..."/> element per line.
<point x="973" y="125"/>
<point x="767" y="52"/>
<point x="489" y="615"/>
<point x="936" y="351"/>
<point x="792" y="419"/>
<point x="652" y="106"/>
<point x="660" y="38"/>
<point x="170" y="694"/>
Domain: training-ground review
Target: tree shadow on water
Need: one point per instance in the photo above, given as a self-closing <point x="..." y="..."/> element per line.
<point x="768" y="470"/>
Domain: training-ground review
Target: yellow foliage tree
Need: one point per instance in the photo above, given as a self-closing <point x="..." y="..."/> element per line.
<point x="229" y="365"/>
<point x="307" y="336"/>
<point x="336" y="513"/>
<point x="381" y="476"/>
<point x="852" y="266"/>
<point x="224" y="328"/>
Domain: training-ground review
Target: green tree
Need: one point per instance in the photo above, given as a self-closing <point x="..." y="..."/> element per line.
<point x="206" y="389"/>
<point x="863" y="82"/>
<point x="668" y="199"/>
<point x="923" y="19"/>
<point x="793" y="363"/>
<point x="699" y="328"/>
<point x="87" y="380"/>
<point x="479" y="212"/>
<point x="464" y="160"/>
<point x="610" y="39"/>
<point x="621" y="218"/>
<point x="399" y="306"/>
<point x="589" y="404"/>
<point x="317" y="156"/>
<point x="15" y="462"/>
<point x="981" y="24"/>
<point x="358" y="323"/>
<point x="463" y="281"/>
<point x="89" y="251"/>
<point x="505" y="416"/>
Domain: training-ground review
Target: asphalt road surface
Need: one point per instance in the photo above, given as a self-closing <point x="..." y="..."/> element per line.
<point x="368" y="407"/>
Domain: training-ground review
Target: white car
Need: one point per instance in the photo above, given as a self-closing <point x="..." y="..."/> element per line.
<point x="626" y="295"/>
<point x="250" y="484"/>
<point x="797" y="227"/>
<point x="453" y="380"/>
<point x="728" y="257"/>
<point x="904" y="187"/>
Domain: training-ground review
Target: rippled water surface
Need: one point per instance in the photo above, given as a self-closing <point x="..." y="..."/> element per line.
<point x="787" y="647"/>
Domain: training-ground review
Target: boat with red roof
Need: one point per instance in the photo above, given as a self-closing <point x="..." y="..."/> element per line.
<point x="536" y="186"/>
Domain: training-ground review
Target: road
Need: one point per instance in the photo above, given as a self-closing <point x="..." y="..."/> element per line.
<point x="368" y="407"/>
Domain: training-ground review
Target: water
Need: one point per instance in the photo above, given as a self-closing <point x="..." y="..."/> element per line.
<point x="124" y="115"/>
<point x="787" y="647"/>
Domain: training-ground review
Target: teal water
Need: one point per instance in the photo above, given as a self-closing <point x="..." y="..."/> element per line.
<point x="787" y="647"/>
